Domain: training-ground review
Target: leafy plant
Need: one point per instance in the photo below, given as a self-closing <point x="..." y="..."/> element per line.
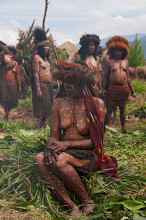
<point x="140" y="112"/>
<point x="136" y="55"/>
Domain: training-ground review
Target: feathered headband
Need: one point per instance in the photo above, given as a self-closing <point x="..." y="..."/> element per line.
<point x="89" y="37"/>
<point x="40" y="37"/>
<point x="118" y="41"/>
<point x="72" y="73"/>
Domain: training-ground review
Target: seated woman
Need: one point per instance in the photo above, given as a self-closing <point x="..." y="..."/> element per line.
<point x="72" y="149"/>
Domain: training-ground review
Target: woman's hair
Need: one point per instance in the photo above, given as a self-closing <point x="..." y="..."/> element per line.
<point x="82" y="76"/>
<point x="112" y="53"/>
<point x="40" y="51"/>
<point x="83" y="51"/>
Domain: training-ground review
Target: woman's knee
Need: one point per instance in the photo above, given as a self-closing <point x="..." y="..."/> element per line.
<point x="60" y="162"/>
<point x="38" y="158"/>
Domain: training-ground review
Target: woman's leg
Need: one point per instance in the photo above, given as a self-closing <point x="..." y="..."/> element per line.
<point x="53" y="180"/>
<point x="65" y="170"/>
<point x="6" y="109"/>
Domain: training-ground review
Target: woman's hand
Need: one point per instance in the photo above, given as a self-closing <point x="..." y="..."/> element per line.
<point x="58" y="146"/>
<point x="50" y="156"/>
<point x="39" y="93"/>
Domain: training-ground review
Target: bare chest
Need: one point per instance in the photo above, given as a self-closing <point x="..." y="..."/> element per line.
<point x="91" y="62"/>
<point x="73" y="118"/>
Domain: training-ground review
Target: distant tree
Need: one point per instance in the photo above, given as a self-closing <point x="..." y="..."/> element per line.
<point x="136" y="55"/>
<point x="62" y="54"/>
<point x="25" y="47"/>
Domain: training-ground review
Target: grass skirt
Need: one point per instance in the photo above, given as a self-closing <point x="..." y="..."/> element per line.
<point x="9" y="94"/>
<point x="42" y="106"/>
<point x="117" y="96"/>
<point x="83" y="154"/>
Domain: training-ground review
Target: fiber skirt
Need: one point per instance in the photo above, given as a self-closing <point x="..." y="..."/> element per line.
<point x="42" y="106"/>
<point x="9" y="94"/>
<point x="83" y="154"/>
<point x="117" y="96"/>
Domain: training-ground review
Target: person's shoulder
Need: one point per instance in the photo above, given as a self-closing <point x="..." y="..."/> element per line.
<point x="57" y="101"/>
<point x="99" y="101"/>
<point x="77" y="57"/>
<point x="36" y="57"/>
<point x="126" y="61"/>
<point x="100" y="104"/>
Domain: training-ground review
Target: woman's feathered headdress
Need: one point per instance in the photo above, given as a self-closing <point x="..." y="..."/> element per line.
<point x="89" y="37"/>
<point x="118" y="41"/>
<point x="40" y="37"/>
<point x="72" y="73"/>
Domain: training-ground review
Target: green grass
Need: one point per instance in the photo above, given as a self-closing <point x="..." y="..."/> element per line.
<point x="139" y="86"/>
<point x="20" y="185"/>
<point x="24" y="103"/>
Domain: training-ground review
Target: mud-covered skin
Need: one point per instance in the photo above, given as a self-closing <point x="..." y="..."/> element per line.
<point x="69" y="130"/>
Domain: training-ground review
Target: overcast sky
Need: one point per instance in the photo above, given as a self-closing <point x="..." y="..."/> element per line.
<point x="68" y="20"/>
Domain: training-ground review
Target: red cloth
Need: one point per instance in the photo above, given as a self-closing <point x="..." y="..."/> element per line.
<point x="96" y="125"/>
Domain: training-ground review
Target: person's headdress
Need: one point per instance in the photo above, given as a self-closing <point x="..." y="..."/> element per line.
<point x="13" y="49"/>
<point x="3" y="50"/>
<point x="40" y="37"/>
<point x="89" y="37"/>
<point x="118" y="41"/>
<point x="72" y="73"/>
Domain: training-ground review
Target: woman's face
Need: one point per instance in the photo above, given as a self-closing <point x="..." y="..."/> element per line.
<point x="118" y="53"/>
<point x="91" y="47"/>
<point x="11" y="54"/>
<point x="72" y="90"/>
<point x="46" y="48"/>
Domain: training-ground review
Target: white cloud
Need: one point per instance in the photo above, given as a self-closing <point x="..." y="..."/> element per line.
<point x="69" y="19"/>
<point x="103" y="22"/>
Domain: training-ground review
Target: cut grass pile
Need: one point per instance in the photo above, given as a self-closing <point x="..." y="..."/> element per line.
<point x="114" y="199"/>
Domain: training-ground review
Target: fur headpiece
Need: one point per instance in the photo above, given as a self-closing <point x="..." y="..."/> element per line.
<point x="13" y="49"/>
<point x="89" y="37"/>
<point x="118" y="41"/>
<point x="3" y="50"/>
<point x="40" y="36"/>
<point x="72" y="73"/>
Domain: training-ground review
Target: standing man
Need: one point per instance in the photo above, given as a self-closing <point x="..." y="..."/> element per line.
<point x="117" y="78"/>
<point x="10" y="86"/>
<point x="88" y="54"/>
<point x="42" y="91"/>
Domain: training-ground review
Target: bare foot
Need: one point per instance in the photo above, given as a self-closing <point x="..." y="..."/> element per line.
<point x="75" y="212"/>
<point x="6" y="118"/>
<point x="88" y="207"/>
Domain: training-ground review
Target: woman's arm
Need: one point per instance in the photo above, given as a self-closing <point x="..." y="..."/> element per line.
<point x="54" y="134"/>
<point x="129" y="80"/>
<point x="36" y="69"/>
<point x="18" y="78"/>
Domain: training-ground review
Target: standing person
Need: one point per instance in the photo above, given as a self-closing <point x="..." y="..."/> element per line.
<point x="117" y="78"/>
<point x="75" y="146"/>
<point x="23" y="78"/>
<point x="88" y="54"/>
<point x="10" y="86"/>
<point x="42" y="91"/>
